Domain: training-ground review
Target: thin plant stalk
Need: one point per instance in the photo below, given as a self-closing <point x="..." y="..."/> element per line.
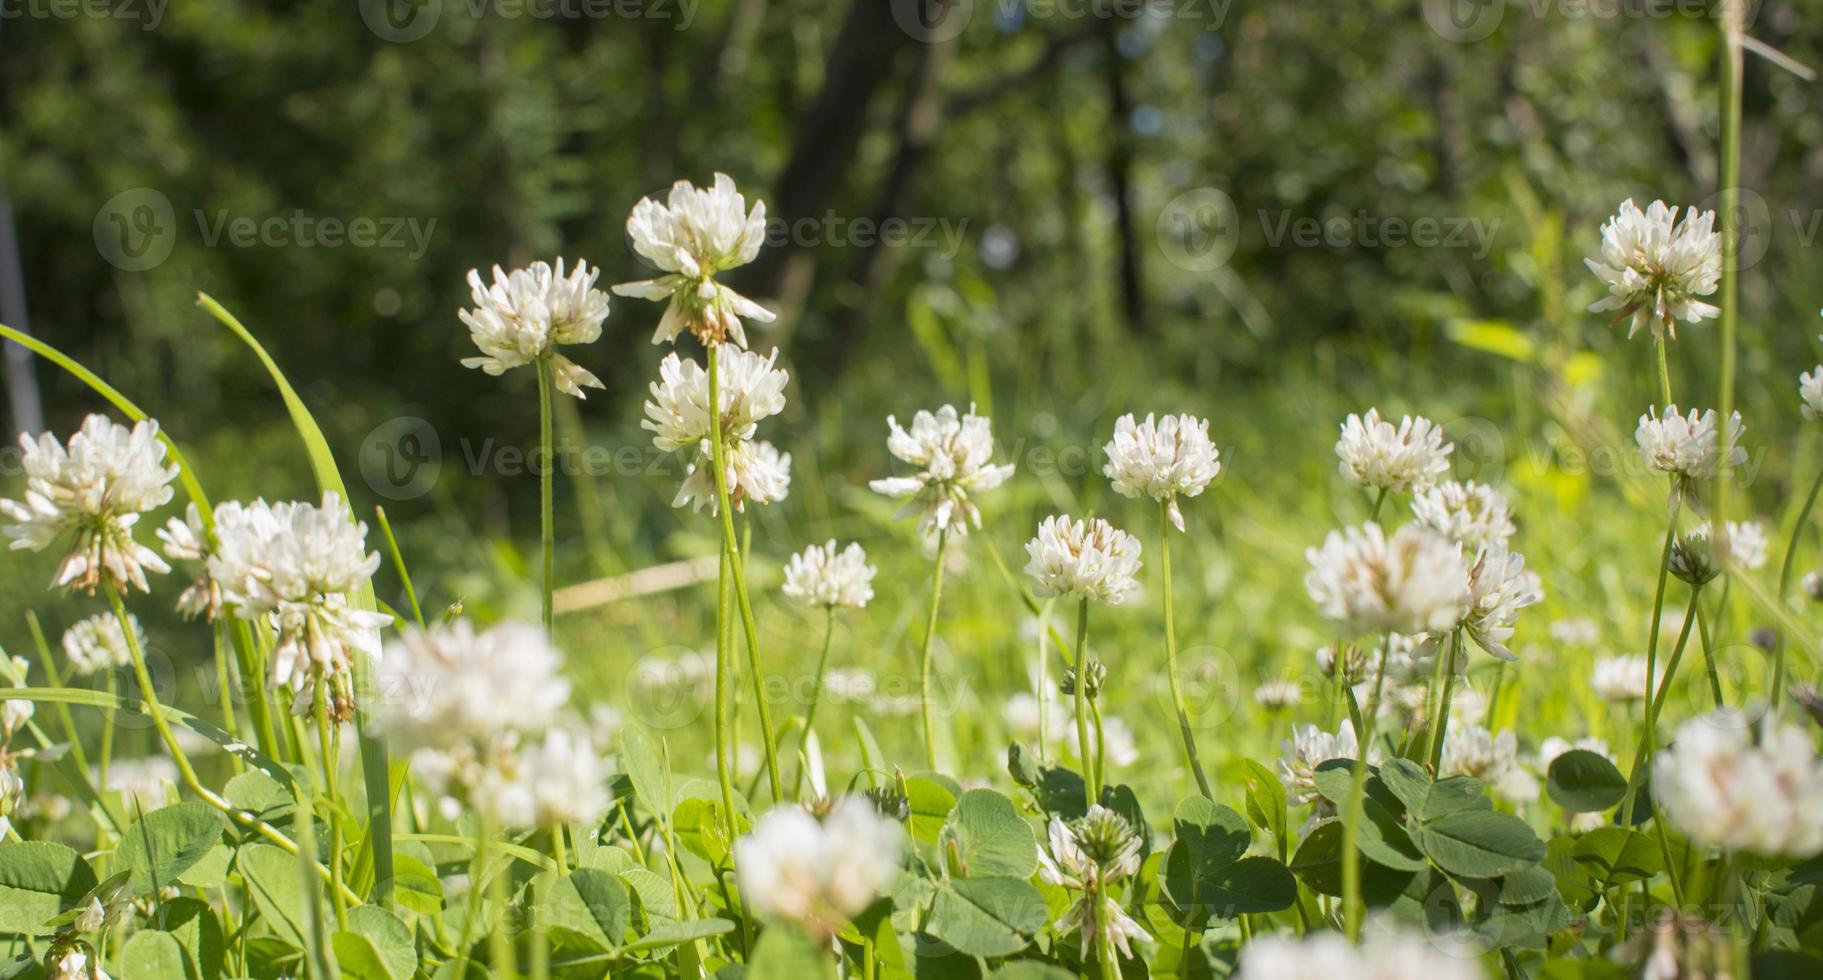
<point x="1106" y="956"/>
<point x="1661" y="349"/>
<point x="1785" y="569"/>
<point x="816" y="693"/>
<point x="1647" y="735"/>
<point x="64" y="717"/>
<point x="724" y="696"/>
<point x="1091" y="787"/>
<point x="1440" y="727"/>
<point x="1715" y="677"/>
<point x="1177" y="693"/>
<point x="924" y="665"/>
<point x="547" y="532"/>
<point x="1353" y="911"/>
<point x="1732" y="25"/>
<point x="731" y="545"/>
<point x="330" y="758"/>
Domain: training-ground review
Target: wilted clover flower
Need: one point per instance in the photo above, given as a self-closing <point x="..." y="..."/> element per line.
<point x="99" y="643"/>
<point x="73" y="959"/>
<point x="1365" y="582"/>
<point x="1384" y="954"/>
<point x="954" y="455"/>
<point x="1375" y="454"/>
<point x="297" y="564"/>
<point x="1491" y="758"/>
<point x="1163" y="460"/>
<point x="96" y="487"/>
<point x="815" y="874"/>
<point x="1089" y="559"/>
<point x="1655" y="267"/>
<point x="1090" y="854"/>
<point x="694" y="235"/>
<point x="1354" y="662"/>
<point x="824" y="577"/>
<point x="1499" y="587"/>
<point x="1619" y="680"/>
<point x="1098" y="675"/>
<point x="1688" y="446"/>
<point x="1693" y="559"/>
<point x="1471" y="514"/>
<point x="1744" y="785"/>
<point x="453" y="684"/>
<point x="523" y="316"/>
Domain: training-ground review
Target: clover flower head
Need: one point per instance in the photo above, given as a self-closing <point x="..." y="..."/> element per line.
<point x="96" y="486"/>
<point x="1386" y="953"/>
<point x="1306" y="749"/>
<point x="1810" y="391"/>
<point x="1623" y="679"/>
<point x="453" y="683"/>
<point x="1088" y="559"/>
<point x="1688" y="446"/>
<point x="954" y="456"/>
<point x="1402" y="459"/>
<point x="1743" y="784"/>
<point x="550" y="780"/>
<point x="1365" y="582"/>
<point x="1491" y="758"/>
<point x="1162" y="459"/>
<point x="522" y="316"/>
<point x="1474" y="515"/>
<point x="818" y="874"/>
<point x="693" y="236"/>
<point x="1089" y="854"/>
<point x="749" y="390"/>
<point x="1655" y="266"/>
<point x="1499" y="587"/>
<point x="99" y="643"/>
<point x="824" y="577"/>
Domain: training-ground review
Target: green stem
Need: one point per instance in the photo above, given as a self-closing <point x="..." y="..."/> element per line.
<point x="1732" y="28"/>
<point x="398" y="564"/>
<point x="1353" y="911"/>
<point x="1090" y="789"/>
<point x="1104" y="947"/>
<point x="816" y="694"/>
<point x="1440" y="728"/>
<point x="1379" y="501"/>
<point x="1177" y="694"/>
<point x="731" y="544"/>
<point x="1715" y="677"/>
<point x="330" y="758"/>
<point x="1664" y="371"/>
<point x="924" y="664"/>
<point x="547" y="532"/>
<point x="724" y="695"/>
<point x="1785" y="568"/>
<point x="64" y="717"/>
<point x="1644" y="752"/>
<point x="559" y="852"/>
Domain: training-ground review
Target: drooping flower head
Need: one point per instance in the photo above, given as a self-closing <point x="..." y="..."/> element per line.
<point x="1745" y="785"/>
<point x="525" y="314"/>
<point x="297" y="564"/>
<point x="818" y="874"/>
<point x="1090" y="854"/>
<point x="821" y="576"/>
<point x="1089" y="559"/>
<point x="1402" y="459"/>
<point x="749" y="390"/>
<point x="1688" y="446"/>
<point x="95" y="488"/>
<point x="1162" y="459"/>
<point x="693" y="236"/>
<point x="1364" y="582"/>
<point x="756" y="472"/>
<point x="954" y="455"/>
<point x="99" y="643"/>
<point x="1499" y="587"/>
<point x="1474" y="515"/>
<point x="551" y="780"/>
<point x="1655" y="266"/>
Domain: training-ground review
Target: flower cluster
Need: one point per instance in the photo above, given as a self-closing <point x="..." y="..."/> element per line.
<point x="1386" y="954"/>
<point x="1619" y="680"/>
<point x="954" y="456"/>
<point x="1474" y="515"/>
<point x="99" y="643"/>
<point x="1402" y="459"/>
<point x="523" y="315"/>
<point x="749" y="389"/>
<point x="1655" y="266"/>
<point x="693" y="236"/>
<point x="96" y="487"/>
<point x="821" y="576"/>
<point x="818" y="874"/>
<point x="1091" y="854"/>
<point x="1162" y="459"/>
<point x="1492" y="758"/>
<point x="1747" y="785"/>
<point x="1088" y="559"/>
<point x="1413" y="582"/>
<point x="1688" y="446"/>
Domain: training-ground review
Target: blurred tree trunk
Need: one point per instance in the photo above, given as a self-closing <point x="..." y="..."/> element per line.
<point x="1120" y="178"/>
<point x="26" y="411"/>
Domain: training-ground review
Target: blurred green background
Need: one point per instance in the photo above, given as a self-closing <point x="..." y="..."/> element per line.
<point x="1206" y="206"/>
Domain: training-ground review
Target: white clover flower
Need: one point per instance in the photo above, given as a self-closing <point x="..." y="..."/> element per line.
<point x="1365" y="582"/>
<point x="1499" y="587"/>
<point x="1089" y="559"/>
<point x="1551" y="748"/>
<point x="824" y="577"/>
<point x="1688" y="446"/>
<point x="693" y="236"/>
<point x="553" y="780"/>
<point x="1810" y="390"/>
<point x="453" y="683"/>
<point x="1375" y="454"/>
<point x="14" y="714"/>
<point x="1578" y="632"/>
<point x="854" y="684"/>
<point x="1655" y="266"/>
<point x="98" y="643"/>
<point x="1118" y="745"/>
<point x="756" y="473"/>
<point x="1277" y="695"/>
<point x="1493" y="759"/>
<point x="1090" y="854"/>
<point x="147" y="783"/>
<point x="1474" y="515"/>
<point x="523" y="316"/>
<point x="1747" y="544"/>
<point x="750" y="389"/>
<point x="1163" y="460"/>
<point x="818" y="874"/>
<point x="1386" y="953"/>
<point x="1310" y="747"/>
<point x="954" y="458"/>
<point x="97" y="486"/>
<point x="186" y="539"/>
<point x="73" y="964"/>
<point x="296" y="564"/>
<point x="1619" y="680"/>
<point x="1743" y="785"/>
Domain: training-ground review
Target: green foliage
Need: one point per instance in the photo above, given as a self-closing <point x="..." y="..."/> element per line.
<point x="38" y="880"/>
